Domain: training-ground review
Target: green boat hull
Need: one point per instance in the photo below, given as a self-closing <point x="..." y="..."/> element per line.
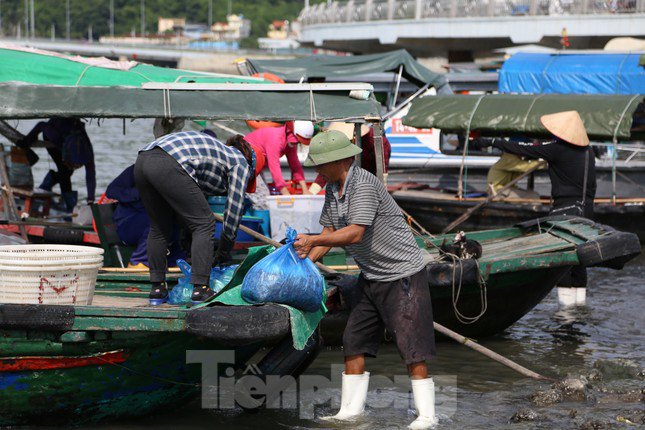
<point x="123" y="375"/>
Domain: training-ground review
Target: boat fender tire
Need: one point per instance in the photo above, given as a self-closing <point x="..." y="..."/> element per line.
<point x="444" y="274"/>
<point x="239" y="325"/>
<point x="36" y="317"/>
<point x="612" y="250"/>
<point x="63" y="235"/>
<point x="283" y="360"/>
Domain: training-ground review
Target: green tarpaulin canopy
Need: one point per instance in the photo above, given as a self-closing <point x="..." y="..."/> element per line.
<point x="604" y="116"/>
<point x="42" y="101"/>
<point x="327" y="66"/>
<point x="42" y="67"/>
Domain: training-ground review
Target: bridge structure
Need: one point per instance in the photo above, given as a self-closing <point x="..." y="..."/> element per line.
<point x="429" y="27"/>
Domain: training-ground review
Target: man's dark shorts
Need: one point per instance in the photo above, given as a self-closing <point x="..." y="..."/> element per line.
<point x="403" y="307"/>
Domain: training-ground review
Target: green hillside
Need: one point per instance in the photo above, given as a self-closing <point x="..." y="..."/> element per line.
<point x="127" y="15"/>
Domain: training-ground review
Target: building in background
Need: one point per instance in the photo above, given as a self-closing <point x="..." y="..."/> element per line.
<point x="282" y="36"/>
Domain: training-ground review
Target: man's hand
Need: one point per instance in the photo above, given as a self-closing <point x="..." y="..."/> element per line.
<point x="303" y="245"/>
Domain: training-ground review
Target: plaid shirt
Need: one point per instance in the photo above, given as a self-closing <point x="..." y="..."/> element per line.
<point x="218" y="169"/>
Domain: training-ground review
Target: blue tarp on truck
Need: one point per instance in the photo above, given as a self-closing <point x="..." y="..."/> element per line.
<point x="573" y="73"/>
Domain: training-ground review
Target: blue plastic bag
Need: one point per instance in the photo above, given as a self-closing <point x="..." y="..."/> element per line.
<point x="219" y="278"/>
<point x="283" y="277"/>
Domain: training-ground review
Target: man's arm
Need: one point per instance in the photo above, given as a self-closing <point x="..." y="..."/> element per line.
<point x="345" y="236"/>
<point x="318" y="252"/>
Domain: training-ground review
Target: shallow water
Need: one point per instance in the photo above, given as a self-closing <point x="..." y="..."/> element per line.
<point x="473" y="392"/>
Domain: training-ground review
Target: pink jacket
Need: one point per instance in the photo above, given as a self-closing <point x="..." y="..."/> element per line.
<point x="274" y="143"/>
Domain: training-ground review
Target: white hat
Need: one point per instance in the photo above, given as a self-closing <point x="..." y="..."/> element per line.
<point x="567" y="126"/>
<point x="304" y="129"/>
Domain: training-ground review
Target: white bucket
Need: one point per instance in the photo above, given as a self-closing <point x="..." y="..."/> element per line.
<point x="300" y="212"/>
<point x="49" y="274"/>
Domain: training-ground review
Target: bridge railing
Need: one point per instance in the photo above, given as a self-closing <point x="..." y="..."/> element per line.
<point x="381" y="10"/>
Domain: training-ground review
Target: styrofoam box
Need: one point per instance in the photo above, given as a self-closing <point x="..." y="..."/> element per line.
<point x="302" y="212"/>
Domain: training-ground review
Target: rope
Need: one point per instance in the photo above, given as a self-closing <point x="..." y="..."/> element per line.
<point x="526" y="117"/>
<point x="312" y="106"/>
<point x="81" y="75"/>
<point x="460" y="191"/>
<point x="170" y="381"/>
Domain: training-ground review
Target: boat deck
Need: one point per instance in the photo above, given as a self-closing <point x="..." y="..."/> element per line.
<point x="107" y="301"/>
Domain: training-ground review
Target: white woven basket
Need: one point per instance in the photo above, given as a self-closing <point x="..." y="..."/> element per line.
<point x="49" y="274"/>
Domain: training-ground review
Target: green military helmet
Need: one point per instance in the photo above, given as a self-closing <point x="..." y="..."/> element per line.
<point x="328" y="146"/>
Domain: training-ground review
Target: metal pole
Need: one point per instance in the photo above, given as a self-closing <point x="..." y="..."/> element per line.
<point x="396" y="88"/>
<point x="210" y="14"/>
<point x="358" y="142"/>
<point x="143" y="18"/>
<point x="379" y="156"/>
<point x="27" y="19"/>
<point x="67" y="22"/>
<point x="390" y="9"/>
<point x="53" y="32"/>
<point x="33" y="21"/>
<point x="418" y="7"/>
<point x="111" y="18"/>
<point x="368" y="9"/>
<point x="453" y="8"/>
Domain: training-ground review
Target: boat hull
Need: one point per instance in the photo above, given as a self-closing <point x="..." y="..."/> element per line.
<point x="435" y="214"/>
<point x="509" y="296"/>
<point x="122" y="376"/>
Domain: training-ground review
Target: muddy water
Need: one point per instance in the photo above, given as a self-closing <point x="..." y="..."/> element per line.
<point x="603" y="342"/>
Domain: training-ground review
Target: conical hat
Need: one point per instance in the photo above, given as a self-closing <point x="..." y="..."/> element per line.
<point x="567" y="126"/>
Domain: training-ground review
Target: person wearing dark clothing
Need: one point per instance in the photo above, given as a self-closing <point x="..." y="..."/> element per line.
<point x="572" y="169"/>
<point x="174" y="174"/>
<point x="71" y="148"/>
<point x="132" y="222"/>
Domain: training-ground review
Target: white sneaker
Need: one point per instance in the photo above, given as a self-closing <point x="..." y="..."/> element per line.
<point x="423" y="391"/>
<point x="353" y="396"/>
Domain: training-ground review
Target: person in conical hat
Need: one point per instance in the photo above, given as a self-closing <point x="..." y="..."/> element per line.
<point x="571" y="161"/>
<point x="361" y="216"/>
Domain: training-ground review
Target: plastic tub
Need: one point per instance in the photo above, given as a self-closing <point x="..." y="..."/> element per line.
<point x="217" y="203"/>
<point x="254" y="223"/>
<point x="49" y="274"/>
<point x="300" y="212"/>
<point x="265" y="214"/>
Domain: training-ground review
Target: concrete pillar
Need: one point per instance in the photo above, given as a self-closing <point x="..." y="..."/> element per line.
<point x="640" y="5"/>
<point x="418" y="8"/>
<point x="390" y="9"/>
<point x="349" y="11"/>
<point x="533" y="7"/>
<point x="584" y="9"/>
<point x="368" y="9"/>
<point x="491" y="7"/>
<point x="453" y="8"/>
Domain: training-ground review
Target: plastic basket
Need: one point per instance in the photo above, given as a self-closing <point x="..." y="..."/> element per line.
<point x="49" y="274"/>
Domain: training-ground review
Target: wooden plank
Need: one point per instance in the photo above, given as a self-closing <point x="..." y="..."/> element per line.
<point x="100" y="323"/>
<point x="538" y="261"/>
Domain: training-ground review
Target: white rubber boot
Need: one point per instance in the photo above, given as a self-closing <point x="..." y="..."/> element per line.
<point x="353" y="396"/>
<point x="423" y="391"/>
<point x="570" y="296"/>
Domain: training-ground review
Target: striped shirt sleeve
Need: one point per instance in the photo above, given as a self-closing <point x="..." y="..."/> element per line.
<point x="364" y="202"/>
<point x="325" y="216"/>
<point x="238" y="177"/>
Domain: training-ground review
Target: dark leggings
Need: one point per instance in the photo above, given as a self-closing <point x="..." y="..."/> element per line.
<point x="63" y="175"/>
<point x="170" y="194"/>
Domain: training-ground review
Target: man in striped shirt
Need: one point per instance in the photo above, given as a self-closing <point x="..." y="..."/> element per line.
<point x="361" y="216"/>
<point x="174" y="174"/>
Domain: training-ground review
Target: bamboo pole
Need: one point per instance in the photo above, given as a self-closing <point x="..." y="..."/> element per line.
<point x="441" y="329"/>
<point x="7" y="195"/>
<point x="489" y="199"/>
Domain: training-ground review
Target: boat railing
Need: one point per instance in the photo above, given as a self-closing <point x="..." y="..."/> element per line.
<point x="387" y="10"/>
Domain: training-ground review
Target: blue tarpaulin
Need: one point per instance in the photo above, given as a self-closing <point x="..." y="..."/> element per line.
<point x="564" y="73"/>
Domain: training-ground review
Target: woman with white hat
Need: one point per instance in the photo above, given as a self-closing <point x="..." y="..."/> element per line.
<point x="274" y="142"/>
<point x="572" y="169"/>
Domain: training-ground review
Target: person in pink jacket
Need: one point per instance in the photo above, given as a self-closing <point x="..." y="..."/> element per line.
<point x="275" y="142"/>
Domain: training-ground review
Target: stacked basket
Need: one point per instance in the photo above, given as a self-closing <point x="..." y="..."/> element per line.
<point x="49" y="274"/>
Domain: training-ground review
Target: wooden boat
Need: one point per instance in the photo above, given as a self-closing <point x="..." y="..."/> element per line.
<point x="120" y="357"/>
<point x="519" y="266"/>
<point x="435" y="210"/>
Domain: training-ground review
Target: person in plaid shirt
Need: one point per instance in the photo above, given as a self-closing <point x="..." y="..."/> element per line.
<point x="174" y="174"/>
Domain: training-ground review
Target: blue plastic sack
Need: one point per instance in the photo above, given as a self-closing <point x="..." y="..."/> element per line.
<point x="283" y="277"/>
<point x="219" y="278"/>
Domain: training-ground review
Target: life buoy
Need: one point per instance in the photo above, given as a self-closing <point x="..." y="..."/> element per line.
<point x="261" y="124"/>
